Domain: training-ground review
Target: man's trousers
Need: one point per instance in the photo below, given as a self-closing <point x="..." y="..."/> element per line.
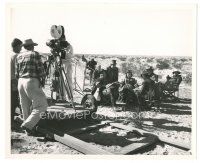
<point x="33" y="101"/>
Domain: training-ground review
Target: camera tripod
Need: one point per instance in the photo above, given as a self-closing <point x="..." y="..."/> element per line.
<point x="60" y="81"/>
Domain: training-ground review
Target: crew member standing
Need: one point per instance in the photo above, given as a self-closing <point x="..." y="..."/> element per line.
<point x="66" y="56"/>
<point x="31" y="74"/>
<point x="112" y="78"/>
<point x="16" y="46"/>
<point x="67" y="64"/>
<point x="91" y="65"/>
<point x="112" y="72"/>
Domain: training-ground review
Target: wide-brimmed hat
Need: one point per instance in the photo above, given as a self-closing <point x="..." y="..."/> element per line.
<point x="29" y="42"/>
<point x="176" y="72"/>
<point x="16" y="42"/>
<point x="150" y="68"/>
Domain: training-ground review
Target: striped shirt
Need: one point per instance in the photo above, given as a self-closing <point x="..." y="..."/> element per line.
<point x="29" y="65"/>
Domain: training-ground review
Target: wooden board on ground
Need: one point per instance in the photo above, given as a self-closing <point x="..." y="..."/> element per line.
<point x="63" y="112"/>
<point x="77" y="144"/>
<point x="136" y="146"/>
<point x="172" y="142"/>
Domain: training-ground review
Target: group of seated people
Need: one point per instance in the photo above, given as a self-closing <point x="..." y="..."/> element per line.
<point x="107" y="89"/>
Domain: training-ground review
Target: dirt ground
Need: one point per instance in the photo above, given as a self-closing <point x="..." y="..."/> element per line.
<point x="172" y="120"/>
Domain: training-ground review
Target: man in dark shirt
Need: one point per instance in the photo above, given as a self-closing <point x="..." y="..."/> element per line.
<point x="31" y="74"/>
<point x="177" y="77"/>
<point x="16" y="46"/>
<point x="112" y="72"/>
<point x="112" y="78"/>
<point x="91" y="65"/>
<point x="147" y="91"/>
<point x="96" y="74"/>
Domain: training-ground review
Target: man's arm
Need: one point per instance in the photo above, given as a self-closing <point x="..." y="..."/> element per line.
<point x="40" y="69"/>
<point x="117" y="74"/>
<point x="16" y="68"/>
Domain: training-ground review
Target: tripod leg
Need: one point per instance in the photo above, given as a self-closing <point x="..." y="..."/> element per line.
<point x="84" y="79"/>
<point x="66" y="86"/>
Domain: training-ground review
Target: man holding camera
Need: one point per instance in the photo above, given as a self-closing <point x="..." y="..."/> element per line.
<point x="31" y="74"/>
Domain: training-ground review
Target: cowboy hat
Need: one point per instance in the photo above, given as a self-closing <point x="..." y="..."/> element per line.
<point x="150" y="68"/>
<point x="29" y="42"/>
<point x="176" y="72"/>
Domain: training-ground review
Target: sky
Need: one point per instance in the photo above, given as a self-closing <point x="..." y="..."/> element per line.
<point x="122" y="29"/>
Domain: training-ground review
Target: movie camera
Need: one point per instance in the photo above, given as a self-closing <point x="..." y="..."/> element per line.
<point x="59" y="44"/>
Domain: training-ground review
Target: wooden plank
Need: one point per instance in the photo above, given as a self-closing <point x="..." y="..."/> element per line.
<point x="66" y="114"/>
<point x="76" y="144"/>
<point x="134" y="147"/>
<point x="88" y="128"/>
<point x="163" y="139"/>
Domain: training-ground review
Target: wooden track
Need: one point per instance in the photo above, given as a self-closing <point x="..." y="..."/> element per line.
<point x="66" y="112"/>
<point x="87" y="148"/>
<point x="165" y="140"/>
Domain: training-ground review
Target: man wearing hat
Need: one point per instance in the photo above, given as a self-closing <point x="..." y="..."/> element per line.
<point x="31" y="76"/>
<point x="127" y="87"/>
<point x="177" y="78"/>
<point x="112" y="77"/>
<point x="147" y="91"/>
<point x="16" y="47"/>
<point x="152" y="75"/>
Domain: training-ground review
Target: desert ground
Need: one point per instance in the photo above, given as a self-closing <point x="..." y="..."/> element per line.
<point x="173" y="119"/>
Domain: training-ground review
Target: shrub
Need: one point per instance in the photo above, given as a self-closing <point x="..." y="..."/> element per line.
<point x="188" y="78"/>
<point x="162" y="64"/>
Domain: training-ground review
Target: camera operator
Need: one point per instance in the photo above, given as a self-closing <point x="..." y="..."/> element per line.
<point x="62" y="53"/>
<point x="67" y="64"/>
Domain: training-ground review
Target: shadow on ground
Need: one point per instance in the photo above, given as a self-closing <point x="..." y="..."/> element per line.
<point x="160" y="123"/>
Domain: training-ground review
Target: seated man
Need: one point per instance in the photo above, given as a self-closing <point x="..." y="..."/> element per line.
<point x="98" y="86"/>
<point x="148" y="91"/>
<point x="103" y="92"/>
<point x="173" y="82"/>
<point x="127" y="94"/>
<point x="152" y="75"/>
<point x="177" y="78"/>
<point x="96" y="74"/>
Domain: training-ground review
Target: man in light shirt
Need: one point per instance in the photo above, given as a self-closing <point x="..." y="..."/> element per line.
<point x="31" y="74"/>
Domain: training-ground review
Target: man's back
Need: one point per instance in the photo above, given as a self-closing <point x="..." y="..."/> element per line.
<point x="29" y="64"/>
